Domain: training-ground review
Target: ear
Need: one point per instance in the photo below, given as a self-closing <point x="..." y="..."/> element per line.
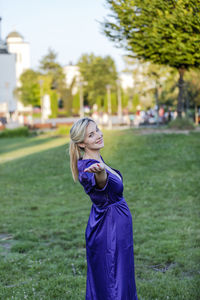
<point x="81" y="145"/>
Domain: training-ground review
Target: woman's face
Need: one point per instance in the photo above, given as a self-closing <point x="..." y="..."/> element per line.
<point x="93" y="137"/>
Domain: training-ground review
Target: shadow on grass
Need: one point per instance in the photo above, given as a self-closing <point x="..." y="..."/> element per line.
<point x="31" y="146"/>
<point x="16" y="143"/>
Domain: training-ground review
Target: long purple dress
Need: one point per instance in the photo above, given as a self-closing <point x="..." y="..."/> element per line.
<point x="109" y="239"/>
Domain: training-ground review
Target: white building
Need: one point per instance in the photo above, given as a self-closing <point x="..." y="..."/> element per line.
<point x="7" y="81"/>
<point x="126" y="80"/>
<point x="14" y="60"/>
<point x="21" y="49"/>
<point x="72" y="73"/>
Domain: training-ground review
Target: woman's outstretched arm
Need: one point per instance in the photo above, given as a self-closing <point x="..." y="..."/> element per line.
<point x="100" y="173"/>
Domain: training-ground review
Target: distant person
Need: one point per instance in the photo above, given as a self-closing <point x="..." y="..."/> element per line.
<point x="131" y="116"/>
<point x="21" y="119"/>
<point x="161" y="113"/>
<point x="105" y="118"/>
<point x="175" y="114"/>
<point x="109" y="232"/>
<point x="169" y="115"/>
<point x="30" y="119"/>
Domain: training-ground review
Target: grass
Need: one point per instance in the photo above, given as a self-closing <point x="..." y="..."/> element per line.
<point x="44" y="215"/>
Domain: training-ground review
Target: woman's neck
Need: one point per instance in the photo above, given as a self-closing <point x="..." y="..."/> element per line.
<point x="92" y="155"/>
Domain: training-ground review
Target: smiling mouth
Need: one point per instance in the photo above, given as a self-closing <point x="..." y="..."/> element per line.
<point x="100" y="141"/>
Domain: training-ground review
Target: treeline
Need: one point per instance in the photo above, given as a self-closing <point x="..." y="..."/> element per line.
<point x="152" y="85"/>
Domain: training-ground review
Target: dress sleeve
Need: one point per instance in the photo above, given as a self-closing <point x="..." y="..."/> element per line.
<point x="88" y="179"/>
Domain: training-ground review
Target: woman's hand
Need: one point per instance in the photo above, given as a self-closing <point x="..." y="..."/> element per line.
<point x="95" y="168"/>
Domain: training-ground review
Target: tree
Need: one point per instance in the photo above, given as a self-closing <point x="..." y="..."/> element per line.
<point x="29" y="91"/>
<point x="50" y="67"/>
<point x="163" y="32"/>
<point x="98" y="72"/>
<point x="192" y="91"/>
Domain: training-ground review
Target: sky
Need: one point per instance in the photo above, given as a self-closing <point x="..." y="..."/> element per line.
<point x="70" y="27"/>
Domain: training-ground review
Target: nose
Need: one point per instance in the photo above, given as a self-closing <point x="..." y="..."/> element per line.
<point x="100" y="135"/>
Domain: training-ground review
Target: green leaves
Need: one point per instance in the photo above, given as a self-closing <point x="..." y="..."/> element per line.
<point x="98" y="72"/>
<point x="165" y="32"/>
<point x="29" y="92"/>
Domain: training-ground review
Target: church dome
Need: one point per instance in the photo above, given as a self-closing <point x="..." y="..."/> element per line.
<point x="14" y="34"/>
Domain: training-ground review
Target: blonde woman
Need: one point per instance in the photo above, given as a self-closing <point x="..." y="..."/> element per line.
<point x="109" y="233"/>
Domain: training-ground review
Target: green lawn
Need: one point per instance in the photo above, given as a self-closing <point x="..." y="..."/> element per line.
<point x="44" y="215"/>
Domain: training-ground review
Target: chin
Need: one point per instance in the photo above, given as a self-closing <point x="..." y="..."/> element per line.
<point x="99" y="146"/>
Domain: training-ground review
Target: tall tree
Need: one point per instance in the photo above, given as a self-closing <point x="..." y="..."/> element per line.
<point x="163" y="32"/>
<point x="50" y="66"/>
<point x="98" y="72"/>
<point x="192" y="92"/>
<point x="29" y="91"/>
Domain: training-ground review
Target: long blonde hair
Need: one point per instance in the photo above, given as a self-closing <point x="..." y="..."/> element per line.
<point x="77" y="135"/>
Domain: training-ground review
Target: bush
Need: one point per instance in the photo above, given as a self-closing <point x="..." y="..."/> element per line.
<point x="20" y="131"/>
<point x="63" y="130"/>
<point x="183" y="123"/>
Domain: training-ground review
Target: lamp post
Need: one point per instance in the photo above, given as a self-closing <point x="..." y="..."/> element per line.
<point x="81" y="83"/>
<point x="41" y="99"/>
<point x="81" y="99"/>
<point x="119" y="100"/>
<point x="108" y="87"/>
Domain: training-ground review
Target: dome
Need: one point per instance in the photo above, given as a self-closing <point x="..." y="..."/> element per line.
<point x="14" y="34"/>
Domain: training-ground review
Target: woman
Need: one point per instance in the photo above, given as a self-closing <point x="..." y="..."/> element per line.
<point x="109" y="233"/>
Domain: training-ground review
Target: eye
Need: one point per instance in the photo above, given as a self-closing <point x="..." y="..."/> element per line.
<point x="91" y="134"/>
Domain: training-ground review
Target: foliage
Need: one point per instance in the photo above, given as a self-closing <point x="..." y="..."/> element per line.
<point x="100" y="102"/>
<point x="54" y="104"/>
<point x="114" y="106"/>
<point x="20" y="131"/>
<point x="192" y="87"/>
<point x="45" y="215"/>
<point x="169" y="90"/>
<point x="163" y="32"/>
<point x="49" y="65"/>
<point x="68" y="98"/>
<point x="29" y="91"/>
<point x="63" y="130"/>
<point x="97" y="72"/>
<point x="184" y="123"/>
<point x="125" y="99"/>
<point x="135" y="102"/>
<point x="76" y="104"/>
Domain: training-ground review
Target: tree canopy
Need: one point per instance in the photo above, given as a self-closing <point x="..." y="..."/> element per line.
<point x="97" y="72"/>
<point x="49" y="66"/>
<point x="163" y="32"/>
<point x="29" y="91"/>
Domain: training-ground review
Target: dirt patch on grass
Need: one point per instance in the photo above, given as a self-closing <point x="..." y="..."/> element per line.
<point x="144" y="131"/>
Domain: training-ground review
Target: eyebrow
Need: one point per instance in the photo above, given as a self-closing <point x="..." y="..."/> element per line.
<point x="92" y="131"/>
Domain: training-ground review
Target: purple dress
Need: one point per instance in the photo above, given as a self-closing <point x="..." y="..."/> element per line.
<point x="109" y="239"/>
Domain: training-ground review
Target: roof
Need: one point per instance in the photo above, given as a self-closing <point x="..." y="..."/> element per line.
<point x="14" y="34"/>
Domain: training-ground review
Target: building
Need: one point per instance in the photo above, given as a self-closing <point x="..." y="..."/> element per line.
<point x="14" y="60"/>
<point x="17" y="45"/>
<point x="7" y="80"/>
<point x="72" y="73"/>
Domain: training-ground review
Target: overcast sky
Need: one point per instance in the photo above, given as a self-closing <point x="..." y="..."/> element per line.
<point x="69" y="27"/>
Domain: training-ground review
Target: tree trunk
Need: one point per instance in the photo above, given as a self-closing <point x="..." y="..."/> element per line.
<point x="180" y="94"/>
<point x="196" y="115"/>
<point x="157" y="107"/>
